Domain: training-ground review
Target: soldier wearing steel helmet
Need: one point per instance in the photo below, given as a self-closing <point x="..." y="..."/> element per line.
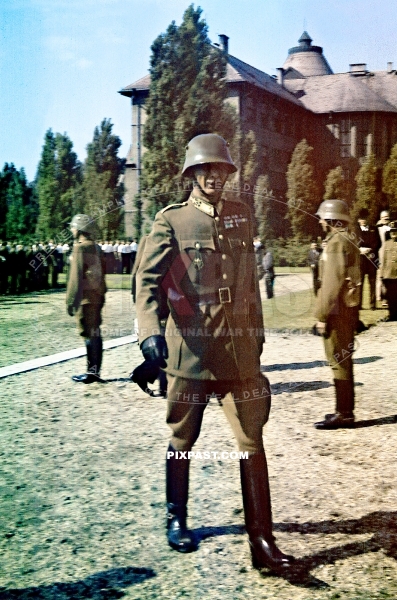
<point x="201" y="254"/>
<point x="337" y="305"/>
<point x="85" y="294"/>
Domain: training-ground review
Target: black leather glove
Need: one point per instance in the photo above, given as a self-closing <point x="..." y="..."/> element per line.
<point x="154" y="349"/>
<point x="145" y="373"/>
<point x="71" y="311"/>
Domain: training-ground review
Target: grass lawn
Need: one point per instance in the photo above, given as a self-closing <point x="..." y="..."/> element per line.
<point x="287" y="312"/>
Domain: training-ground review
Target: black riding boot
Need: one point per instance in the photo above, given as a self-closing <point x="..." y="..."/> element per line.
<point x="258" y="515"/>
<point x="344" y="416"/>
<point x="94" y="362"/>
<point x="179" y="537"/>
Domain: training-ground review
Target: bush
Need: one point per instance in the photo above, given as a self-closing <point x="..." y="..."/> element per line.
<point x="291" y="252"/>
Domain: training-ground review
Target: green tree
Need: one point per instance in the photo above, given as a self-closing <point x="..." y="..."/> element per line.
<point x="366" y="191"/>
<point x="186" y="98"/>
<point x="302" y="191"/>
<point x="18" y="205"/>
<point x="263" y="199"/>
<point x="5" y="179"/>
<point x="335" y="185"/>
<point x="249" y="157"/>
<point x="22" y="209"/>
<point x="58" y="177"/>
<point x="102" y="186"/>
<point x="389" y="179"/>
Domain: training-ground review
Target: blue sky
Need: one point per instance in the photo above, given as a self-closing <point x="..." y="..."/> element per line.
<point x="63" y="61"/>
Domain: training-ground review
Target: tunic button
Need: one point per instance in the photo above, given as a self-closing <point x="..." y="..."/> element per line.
<point x="220" y="236"/>
<point x="224" y="256"/>
<point x="224" y="276"/>
<point x="244" y="244"/>
<point x="197" y="245"/>
<point x="217" y="219"/>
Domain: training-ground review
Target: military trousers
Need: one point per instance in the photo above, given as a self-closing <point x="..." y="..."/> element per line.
<point x="339" y="342"/>
<point x="89" y="319"/>
<point x="246" y="404"/>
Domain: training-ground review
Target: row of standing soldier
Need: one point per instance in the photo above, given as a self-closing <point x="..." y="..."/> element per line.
<point x="35" y="267"/>
<point x="200" y="258"/>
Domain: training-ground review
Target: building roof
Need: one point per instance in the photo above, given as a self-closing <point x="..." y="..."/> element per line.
<point x="344" y="92"/>
<point x="383" y="83"/>
<point x="237" y="72"/>
<point x="141" y="84"/>
<point x="309" y="82"/>
<point x="306" y="59"/>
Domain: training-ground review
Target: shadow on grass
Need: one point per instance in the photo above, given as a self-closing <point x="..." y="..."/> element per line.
<point x="314" y="364"/>
<point x="298" y="386"/>
<point x="105" y="585"/>
<point x="383" y="525"/>
<point x="391" y="420"/>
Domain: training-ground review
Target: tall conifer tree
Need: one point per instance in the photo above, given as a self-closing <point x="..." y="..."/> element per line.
<point x="366" y="192"/>
<point x="302" y="192"/>
<point x="58" y="175"/>
<point x="186" y="98"/>
<point x="103" y="188"/>
<point x="389" y="180"/>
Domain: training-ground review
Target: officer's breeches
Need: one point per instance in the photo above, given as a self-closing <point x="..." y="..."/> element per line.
<point x="339" y="343"/>
<point x="88" y="318"/>
<point x="246" y="405"/>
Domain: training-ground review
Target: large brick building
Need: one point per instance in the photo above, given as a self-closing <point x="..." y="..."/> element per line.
<point x="344" y="116"/>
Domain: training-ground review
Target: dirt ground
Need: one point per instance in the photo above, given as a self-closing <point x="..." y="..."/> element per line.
<point x="82" y="474"/>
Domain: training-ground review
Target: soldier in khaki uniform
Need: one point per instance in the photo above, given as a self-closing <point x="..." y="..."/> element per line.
<point x="201" y="253"/>
<point x="388" y="271"/>
<point x="337" y="305"/>
<point x="85" y="294"/>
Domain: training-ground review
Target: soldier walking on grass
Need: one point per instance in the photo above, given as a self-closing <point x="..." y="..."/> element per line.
<point x="337" y="305"/>
<point x="201" y="253"/>
<point x="85" y="294"/>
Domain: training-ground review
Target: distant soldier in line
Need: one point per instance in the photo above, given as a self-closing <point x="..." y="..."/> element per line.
<point x="269" y="275"/>
<point x="3" y="268"/>
<point x="337" y="306"/>
<point x="258" y="248"/>
<point x="313" y="259"/>
<point x="134" y="251"/>
<point x="388" y="271"/>
<point x="369" y="256"/>
<point x="201" y="254"/>
<point x="85" y="294"/>
<point x="383" y="227"/>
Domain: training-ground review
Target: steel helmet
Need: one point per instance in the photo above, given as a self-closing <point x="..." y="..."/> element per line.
<point x="335" y="210"/>
<point x="85" y="224"/>
<point x="207" y="148"/>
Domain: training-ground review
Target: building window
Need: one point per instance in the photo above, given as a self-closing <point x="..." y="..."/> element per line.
<point x="345" y="138"/>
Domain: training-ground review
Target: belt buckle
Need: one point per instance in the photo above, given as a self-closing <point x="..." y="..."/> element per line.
<point x="224" y="295"/>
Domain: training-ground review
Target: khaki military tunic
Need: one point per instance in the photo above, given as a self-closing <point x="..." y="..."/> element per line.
<point x="338" y="300"/>
<point x="204" y="262"/>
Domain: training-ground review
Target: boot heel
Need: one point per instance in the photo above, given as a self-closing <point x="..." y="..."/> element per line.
<point x="255" y="563"/>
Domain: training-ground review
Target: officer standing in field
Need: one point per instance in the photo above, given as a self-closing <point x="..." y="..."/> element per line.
<point x="201" y="253"/>
<point x="337" y="306"/>
<point x="85" y="294"/>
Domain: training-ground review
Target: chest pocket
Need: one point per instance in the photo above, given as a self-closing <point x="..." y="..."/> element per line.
<point x="206" y="265"/>
<point x="236" y="244"/>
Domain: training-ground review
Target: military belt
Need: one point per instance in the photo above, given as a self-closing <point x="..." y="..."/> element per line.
<point x="221" y="296"/>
